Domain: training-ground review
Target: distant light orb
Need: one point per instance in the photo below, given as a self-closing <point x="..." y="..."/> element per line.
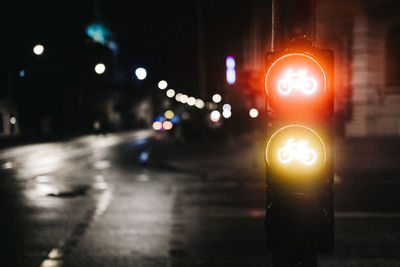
<point x="167" y="125"/>
<point x="231" y="76"/>
<point x="100" y="68"/>
<point x="226" y="113"/>
<point x="38" y="49"/>
<point x="185" y="115"/>
<point x="199" y="104"/>
<point x="253" y="113"/>
<point x="162" y="84"/>
<point x="22" y="73"/>
<point x="215" y="115"/>
<point x="191" y="101"/>
<point x="157" y="125"/>
<point x="170" y="93"/>
<point x="184" y="99"/>
<point x="169" y="114"/>
<point x="216" y="98"/>
<point x="178" y="97"/>
<point x="13" y="120"/>
<point x="230" y="62"/>
<point x="144" y="156"/>
<point x="211" y="105"/>
<point x="226" y="107"/>
<point x="141" y="73"/>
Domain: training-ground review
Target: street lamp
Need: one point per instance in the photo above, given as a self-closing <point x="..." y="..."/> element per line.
<point x="216" y="98"/>
<point x="141" y="73"/>
<point x="162" y="84"/>
<point x="100" y="68"/>
<point x="38" y="49"/>
<point x="253" y="113"/>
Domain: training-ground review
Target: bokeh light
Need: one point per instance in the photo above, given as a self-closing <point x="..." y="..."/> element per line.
<point x="141" y="73"/>
<point x="184" y="99"/>
<point x="100" y="68"/>
<point x="169" y="114"/>
<point x="215" y="115"/>
<point x="38" y="49"/>
<point x="167" y="125"/>
<point x="170" y="93"/>
<point x="226" y="113"/>
<point x="253" y="113"/>
<point x="178" y="97"/>
<point x="185" y="115"/>
<point x="162" y="84"/>
<point x="199" y="104"/>
<point x="216" y="98"/>
<point x="230" y="62"/>
<point x="191" y="101"/>
<point x="157" y="125"/>
<point x="13" y="120"/>
<point x="226" y="107"/>
<point x="22" y="73"/>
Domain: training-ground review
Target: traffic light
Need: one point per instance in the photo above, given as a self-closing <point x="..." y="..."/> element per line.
<point x="299" y="150"/>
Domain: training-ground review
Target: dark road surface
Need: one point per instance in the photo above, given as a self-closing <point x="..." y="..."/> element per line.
<point x="91" y="201"/>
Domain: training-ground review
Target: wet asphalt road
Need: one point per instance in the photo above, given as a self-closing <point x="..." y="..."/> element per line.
<point x="91" y="202"/>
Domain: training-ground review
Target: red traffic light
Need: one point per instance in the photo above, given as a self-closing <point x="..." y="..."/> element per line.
<point x="295" y="83"/>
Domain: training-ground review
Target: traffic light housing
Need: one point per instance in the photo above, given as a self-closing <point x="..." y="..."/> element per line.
<point x="299" y="150"/>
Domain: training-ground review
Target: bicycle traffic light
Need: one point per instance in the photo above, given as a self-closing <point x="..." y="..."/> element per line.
<point x="299" y="150"/>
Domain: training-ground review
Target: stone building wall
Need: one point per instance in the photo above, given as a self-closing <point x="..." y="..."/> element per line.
<point x="364" y="104"/>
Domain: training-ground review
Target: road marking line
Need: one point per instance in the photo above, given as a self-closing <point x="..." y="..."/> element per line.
<point x="57" y="255"/>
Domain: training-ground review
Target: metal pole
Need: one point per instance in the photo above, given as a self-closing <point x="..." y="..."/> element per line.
<point x="293" y="23"/>
<point x="292" y="20"/>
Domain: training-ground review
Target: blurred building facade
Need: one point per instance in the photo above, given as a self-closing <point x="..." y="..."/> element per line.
<point x="365" y="36"/>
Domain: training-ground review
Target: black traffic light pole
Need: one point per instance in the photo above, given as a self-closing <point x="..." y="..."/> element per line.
<point x="291" y="20"/>
<point x="293" y="24"/>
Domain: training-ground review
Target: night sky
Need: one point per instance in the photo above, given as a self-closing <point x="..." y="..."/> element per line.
<point x="159" y="35"/>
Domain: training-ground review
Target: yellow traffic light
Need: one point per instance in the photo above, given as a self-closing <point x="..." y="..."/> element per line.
<point x="296" y="150"/>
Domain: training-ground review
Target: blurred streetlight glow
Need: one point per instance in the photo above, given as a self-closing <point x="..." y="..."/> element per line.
<point x="178" y="97"/>
<point x="215" y="115"/>
<point x="22" y="73"/>
<point x="253" y="113"/>
<point x="38" y="49"/>
<point x="230" y="70"/>
<point x="157" y="125"/>
<point x="199" y="104"/>
<point x="100" y="68"/>
<point x="141" y="73"/>
<point x="170" y="93"/>
<point x="13" y="120"/>
<point x="162" y="84"/>
<point x="167" y="125"/>
<point x="216" y="98"/>
<point x="226" y="113"/>
<point x="169" y="114"/>
<point x="191" y="101"/>
<point x="226" y="107"/>
<point x="185" y="115"/>
<point x="184" y="99"/>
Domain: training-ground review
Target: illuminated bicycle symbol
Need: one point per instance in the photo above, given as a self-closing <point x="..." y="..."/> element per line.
<point x="297" y="150"/>
<point x="296" y="81"/>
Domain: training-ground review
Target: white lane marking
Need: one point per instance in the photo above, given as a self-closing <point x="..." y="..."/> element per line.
<point x="57" y="255"/>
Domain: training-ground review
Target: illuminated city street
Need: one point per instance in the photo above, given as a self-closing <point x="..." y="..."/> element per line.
<point x="200" y="133"/>
<point x="91" y="202"/>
